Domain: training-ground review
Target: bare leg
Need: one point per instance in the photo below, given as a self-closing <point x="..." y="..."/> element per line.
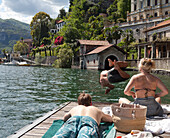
<point x="124" y="100"/>
<point x="111" y="63"/>
<point x="110" y="88"/>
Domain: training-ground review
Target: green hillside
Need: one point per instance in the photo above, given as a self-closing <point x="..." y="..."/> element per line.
<point x="11" y="31"/>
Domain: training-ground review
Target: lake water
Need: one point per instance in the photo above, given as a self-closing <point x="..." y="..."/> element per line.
<point x="27" y="93"/>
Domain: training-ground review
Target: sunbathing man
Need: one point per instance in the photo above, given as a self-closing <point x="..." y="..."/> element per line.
<point x="113" y="75"/>
<point x="82" y="120"/>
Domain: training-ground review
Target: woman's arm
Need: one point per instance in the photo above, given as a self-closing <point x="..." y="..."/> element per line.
<point x="162" y="87"/>
<point x="129" y="86"/>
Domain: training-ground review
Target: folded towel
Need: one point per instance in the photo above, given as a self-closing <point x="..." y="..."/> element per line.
<point x="158" y="126"/>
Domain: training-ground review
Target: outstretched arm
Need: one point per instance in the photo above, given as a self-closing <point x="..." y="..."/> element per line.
<point x="106" y="118"/>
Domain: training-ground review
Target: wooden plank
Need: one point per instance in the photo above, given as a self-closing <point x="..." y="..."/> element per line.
<point x="37" y="131"/>
<point x="25" y="136"/>
<point x="27" y="128"/>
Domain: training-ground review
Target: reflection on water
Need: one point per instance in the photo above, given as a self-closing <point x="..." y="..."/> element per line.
<point x="27" y="93"/>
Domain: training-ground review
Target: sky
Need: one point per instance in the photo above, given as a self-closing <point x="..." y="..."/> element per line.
<point x="24" y="10"/>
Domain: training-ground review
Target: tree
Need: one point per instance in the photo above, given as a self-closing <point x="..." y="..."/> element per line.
<point x="21" y="47"/>
<point x="4" y="52"/>
<point x="64" y="57"/>
<point x="46" y="41"/>
<point x="107" y="34"/>
<point x="123" y="7"/>
<point x="127" y="40"/>
<point x="71" y="4"/>
<point x="94" y="27"/>
<point x="116" y="33"/>
<point x="62" y="13"/>
<point x="40" y="27"/>
<point x="71" y="34"/>
<point x="112" y="33"/>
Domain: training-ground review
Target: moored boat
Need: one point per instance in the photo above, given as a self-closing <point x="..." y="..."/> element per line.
<point x="23" y="64"/>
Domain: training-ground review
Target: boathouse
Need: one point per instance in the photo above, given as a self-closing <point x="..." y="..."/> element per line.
<point x="94" y="54"/>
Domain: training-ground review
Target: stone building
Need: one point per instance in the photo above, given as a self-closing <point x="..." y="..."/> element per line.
<point x="145" y="14"/>
<point x="94" y="54"/>
<point x="158" y="45"/>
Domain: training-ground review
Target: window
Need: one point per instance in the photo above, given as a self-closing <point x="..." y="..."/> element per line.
<point x="166" y="13"/>
<point x="147" y="16"/>
<point x="167" y="1"/>
<point x="137" y="30"/>
<point x="134" y="7"/>
<point x="160" y="35"/>
<point x="156" y="14"/>
<point x="141" y="3"/>
<point x="164" y="34"/>
<point x="156" y="2"/>
<point x="148" y="2"/>
<point x="94" y="61"/>
<point x="141" y="17"/>
<point x="134" y="18"/>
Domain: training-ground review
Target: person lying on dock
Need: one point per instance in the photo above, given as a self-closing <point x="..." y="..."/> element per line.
<point x="113" y="75"/>
<point x="82" y="120"/>
<point x="145" y="85"/>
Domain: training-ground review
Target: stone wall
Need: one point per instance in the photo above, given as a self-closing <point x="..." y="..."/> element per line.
<point x="162" y="66"/>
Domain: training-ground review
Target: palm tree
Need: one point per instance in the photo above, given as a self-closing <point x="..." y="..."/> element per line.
<point x="113" y="33"/>
<point x="128" y="39"/>
<point x="116" y="33"/>
<point x="107" y="34"/>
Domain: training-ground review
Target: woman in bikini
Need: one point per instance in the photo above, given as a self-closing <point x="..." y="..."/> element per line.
<point x="145" y="85"/>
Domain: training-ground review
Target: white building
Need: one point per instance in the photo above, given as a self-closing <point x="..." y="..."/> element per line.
<point x="58" y="25"/>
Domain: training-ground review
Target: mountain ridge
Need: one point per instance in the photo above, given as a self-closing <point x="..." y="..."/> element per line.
<point x="12" y="30"/>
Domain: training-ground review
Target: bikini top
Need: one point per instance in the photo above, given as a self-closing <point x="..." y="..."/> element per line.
<point x="147" y="90"/>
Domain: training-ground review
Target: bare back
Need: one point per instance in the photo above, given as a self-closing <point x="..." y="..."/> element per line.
<point x="145" y="82"/>
<point x="90" y="111"/>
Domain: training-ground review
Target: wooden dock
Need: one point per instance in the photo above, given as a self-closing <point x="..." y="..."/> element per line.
<point x="39" y="127"/>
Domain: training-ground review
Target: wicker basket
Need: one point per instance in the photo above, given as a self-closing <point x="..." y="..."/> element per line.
<point x="127" y="117"/>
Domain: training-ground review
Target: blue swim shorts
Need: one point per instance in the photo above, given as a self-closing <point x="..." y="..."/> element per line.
<point x="78" y="127"/>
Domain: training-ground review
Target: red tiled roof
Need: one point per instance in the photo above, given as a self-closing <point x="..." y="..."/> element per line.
<point x="162" y="24"/>
<point x="59" y="21"/>
<point x="93" y="42"/>
<point x="102" y="48"/>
